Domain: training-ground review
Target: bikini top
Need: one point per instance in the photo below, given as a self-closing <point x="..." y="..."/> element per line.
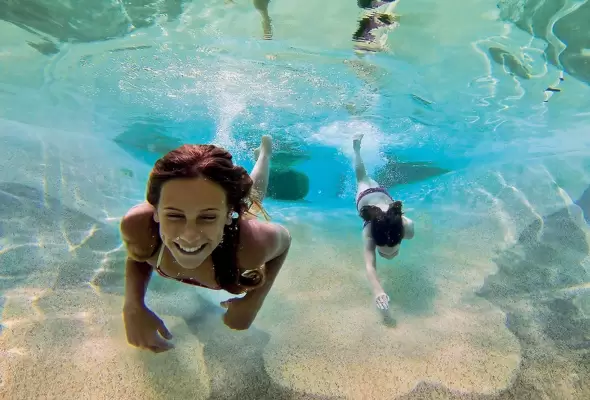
<point x="219" y="257"/>
<point x="189" y="281"/>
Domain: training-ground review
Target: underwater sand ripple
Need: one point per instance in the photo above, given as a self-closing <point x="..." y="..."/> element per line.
<point x="77" y="349"/>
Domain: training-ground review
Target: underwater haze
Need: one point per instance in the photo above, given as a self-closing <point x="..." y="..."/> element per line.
<point x="475" y="114"/>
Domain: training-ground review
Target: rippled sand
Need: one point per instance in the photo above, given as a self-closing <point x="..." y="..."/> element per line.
<point x="71" y="345"/>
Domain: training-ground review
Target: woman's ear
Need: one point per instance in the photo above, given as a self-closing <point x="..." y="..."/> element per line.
<point x="156" y="217"/>
<point x="231" y="216"/>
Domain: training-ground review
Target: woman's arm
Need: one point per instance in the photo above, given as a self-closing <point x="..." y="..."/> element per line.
<point x="381" y="298"/>
<point x="139" y="241"/>
<point x="278" y="250"/>
<point x="144" y="329"/>
<point x="242" y="311"/>
<point x="137" y="278"/>
<point x="371" y="265"/>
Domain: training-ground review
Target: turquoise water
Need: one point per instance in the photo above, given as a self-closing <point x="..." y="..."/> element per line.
<point x="489" y="301"/>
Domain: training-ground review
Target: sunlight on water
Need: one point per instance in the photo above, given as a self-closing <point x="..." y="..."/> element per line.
<point x="475" y="116"/>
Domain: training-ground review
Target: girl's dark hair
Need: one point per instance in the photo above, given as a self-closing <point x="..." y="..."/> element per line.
<point x="361" y="32"/>
<point x="387" y="228"/>
<point x="214" y="163"/>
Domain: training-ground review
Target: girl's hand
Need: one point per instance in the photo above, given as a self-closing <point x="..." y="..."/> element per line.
<point x="240" y="313"/>
<point x="145" y="329"/>
<point x="382" y="301"/>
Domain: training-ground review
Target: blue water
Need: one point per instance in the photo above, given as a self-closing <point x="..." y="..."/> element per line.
<point x="489" y="301"/>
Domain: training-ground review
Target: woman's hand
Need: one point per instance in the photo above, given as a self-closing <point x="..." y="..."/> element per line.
<point x="240" y="313"/>
<point x="143" y="328"/>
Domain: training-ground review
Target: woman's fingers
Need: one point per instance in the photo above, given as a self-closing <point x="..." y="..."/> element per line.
<point x="382" y="301"/>
<point x="164" y="331"/>
<point x="154" y="343"/>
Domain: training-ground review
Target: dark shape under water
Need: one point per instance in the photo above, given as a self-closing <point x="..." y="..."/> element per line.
<point x="550" y="89"/>
<point x="509" y="61"/>
<point x="131" y="48"/>
<point x="148" y="141"/>
<point x="537" y="17"/>
<point x="287" y="160"/>
<point x="287" y="184"/>
<point x="421" y="101"/>
<point x="398" y="173"/>
<point x="127" y="172"/>
<point x="87" y="20"/>
<point x="46" y="47"/>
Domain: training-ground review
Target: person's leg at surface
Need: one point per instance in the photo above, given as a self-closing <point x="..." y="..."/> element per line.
<point x="363" y="181"/>
<point x="359" y="165"/>
<point x="261" y="170"/>
<point x="262" y="7"/>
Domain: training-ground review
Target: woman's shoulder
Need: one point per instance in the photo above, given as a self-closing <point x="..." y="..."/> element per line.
<point x="139" y="232"/>
<point x="260" y="240"/>
<point x="408" y="228"/>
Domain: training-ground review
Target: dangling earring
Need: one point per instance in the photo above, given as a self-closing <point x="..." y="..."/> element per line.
<point x="235" y="215"/>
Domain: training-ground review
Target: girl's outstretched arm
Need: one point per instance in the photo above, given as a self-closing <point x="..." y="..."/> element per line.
<point x="381" y="298"/>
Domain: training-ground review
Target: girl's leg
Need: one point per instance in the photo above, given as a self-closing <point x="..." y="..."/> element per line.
<point x="262" y="7"/>
<point x="261" y="169"/>
<point x="363" y="181"/>
<point x="359" y="166"/>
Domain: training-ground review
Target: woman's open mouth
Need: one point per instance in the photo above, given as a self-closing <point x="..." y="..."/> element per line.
<point x="190" y="250"/>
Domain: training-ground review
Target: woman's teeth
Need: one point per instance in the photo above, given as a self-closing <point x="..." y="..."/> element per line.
<point x="190" y="249"/>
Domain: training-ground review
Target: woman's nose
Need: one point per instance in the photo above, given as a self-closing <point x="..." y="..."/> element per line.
<point x="191" y="232"/>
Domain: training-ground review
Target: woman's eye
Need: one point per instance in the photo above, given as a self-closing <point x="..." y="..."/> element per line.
<point x="209" y="217"/>
<point x="175" y="216"/>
